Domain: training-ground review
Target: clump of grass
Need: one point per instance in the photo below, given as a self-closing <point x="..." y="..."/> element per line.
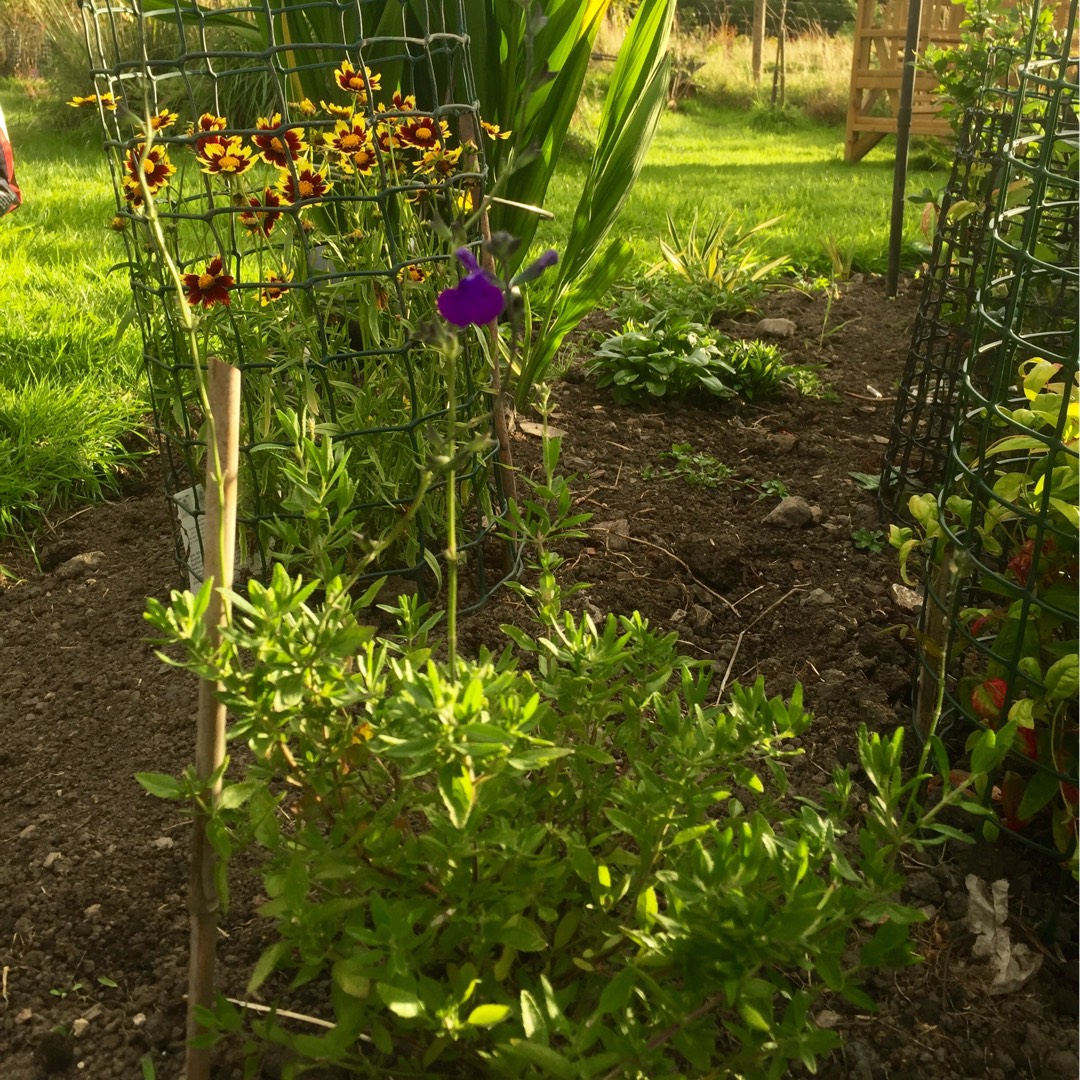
<point x="71" y="393"/>
<point x="60" y="443"/>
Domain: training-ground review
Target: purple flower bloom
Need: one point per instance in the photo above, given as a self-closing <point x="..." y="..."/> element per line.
<point x="476" y="300"/>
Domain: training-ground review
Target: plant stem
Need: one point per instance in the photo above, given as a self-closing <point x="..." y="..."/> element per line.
<point x="451" y="519"/>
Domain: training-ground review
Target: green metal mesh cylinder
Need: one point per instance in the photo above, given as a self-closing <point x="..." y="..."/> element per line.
<point x="313" y="166"/>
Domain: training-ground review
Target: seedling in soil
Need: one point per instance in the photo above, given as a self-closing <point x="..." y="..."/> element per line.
<point x="703" y="470"/>
<point x="698" y="470"/>
<point x="775" y="489"/>
<point x="867" y="481"/>
<point x="869" y="540"/>
<point x="59" y="992"/>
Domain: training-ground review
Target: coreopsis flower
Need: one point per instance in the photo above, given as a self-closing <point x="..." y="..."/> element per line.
<point x="210" y="122"/>
<point x="344" y="112"/>
<point x="422" y="132"/>
<point x="119" y="223"/>
<point x="987" y="699"/>
<point x="364" y="161"/>
<point x="412" y="275"/>
<point x="275" y="287"/>
<point x="106" y="101"/>
<point x="353" y="81"/>
<point x="401" y="102"/>
<point x="305" y="107"/>
<point x="155" y="169"/>
<point x="476" y="299"/>
<point x="348" y="137"/>
<point x="441" y="161"/>
<point x="278" y="147"/>
<point x="263" y="215"/>
<point x="210" y="287"/>
<point x="162" y="119"/>
<point x="493" y="131"/>
<point x="306" y="183"/>
<point x="226" y="157"/>
<point x="133" y="193"/>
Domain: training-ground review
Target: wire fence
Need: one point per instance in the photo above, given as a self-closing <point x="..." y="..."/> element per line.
<point x="987" y="427"/>
<point x="313" y="165"/>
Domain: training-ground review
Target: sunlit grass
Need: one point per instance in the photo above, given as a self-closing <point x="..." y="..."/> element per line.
<point x="70" y="390"/>
<point x="711" y="160"/>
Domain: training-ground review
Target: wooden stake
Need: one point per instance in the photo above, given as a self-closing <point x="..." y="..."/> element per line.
<point x="219" y="542"/>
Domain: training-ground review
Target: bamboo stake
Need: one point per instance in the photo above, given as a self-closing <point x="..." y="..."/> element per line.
<point x="219" y="540"/>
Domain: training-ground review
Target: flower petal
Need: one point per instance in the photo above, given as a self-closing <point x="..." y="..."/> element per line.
<point x="467" y="259"/>
<point x="476" y="300"/>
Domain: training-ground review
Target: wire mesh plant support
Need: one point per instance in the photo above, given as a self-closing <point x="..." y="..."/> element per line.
<point x="1000" y="612"/>
<point x="313" y="166"/>
<point x="927" y="400"/>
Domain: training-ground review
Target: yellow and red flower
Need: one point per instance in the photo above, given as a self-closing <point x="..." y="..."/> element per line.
<point x="422" y="132"/>
<point x="163" y="118"/>
<point x="441" y="161"/>
<point x="226" y="157"/>
<point x="363" y="161"/>
<point x="133" y="193"/>
<point x="403" y="102"/>
<point x="263" y="215"/>
<point x="210" y="287"/>
<point x="305" y="107"/>
<point x="303" y="185"/>
<point x="211" y="122"/>
<point x="275" y="287"/>
<point x="493" y="131"/>
<point x="353" y="81"/>
<point x="278" y="147"/>
<point x="344" y="112"/>
<point x="412" y="275"/>
<point x="155" y="169"/>
<point x="348" y="138"/>
<point x="106" y="101"/>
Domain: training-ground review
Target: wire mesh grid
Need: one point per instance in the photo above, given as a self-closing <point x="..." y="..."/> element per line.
<point x="927" y="398"/>
<point x="998" y="637"/>
<point x="312" y="165"/>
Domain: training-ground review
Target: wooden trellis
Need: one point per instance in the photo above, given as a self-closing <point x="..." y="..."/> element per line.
<point x="877" y="63"/>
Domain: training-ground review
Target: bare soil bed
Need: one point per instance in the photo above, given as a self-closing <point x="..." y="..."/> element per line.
<point x="93" y="925"/>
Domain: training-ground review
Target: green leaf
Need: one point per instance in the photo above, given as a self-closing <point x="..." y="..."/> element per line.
<point x="400" y="1002"/>
<point x="348" y="974"/>
<point x="568" y="925"/>
<point x="532" y="1018"/>
<point x="616" y="994"/>
<point x="1063" y="678"/>
<point x="752" y="1017"/>
<point x="526" y="936"/>
<point x="235" y="795"/>
<point x="488" y="1015"/>
<point x="162" y="785"/>
<point x="267" y="964"/>
<point x="1040" y="789"/>
<point x="549" y="1062"/>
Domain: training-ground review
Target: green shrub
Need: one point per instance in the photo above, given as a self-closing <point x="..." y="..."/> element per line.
<point x="581" y="869"/>
<point x="672" y="358"/>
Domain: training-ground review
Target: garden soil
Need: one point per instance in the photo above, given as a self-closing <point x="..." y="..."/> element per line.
<point x="93" y="922"/>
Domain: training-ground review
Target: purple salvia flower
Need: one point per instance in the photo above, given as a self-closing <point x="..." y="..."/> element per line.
<point x="476" y="300"/>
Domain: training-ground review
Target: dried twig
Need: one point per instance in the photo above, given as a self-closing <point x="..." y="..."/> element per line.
<point x="744" y="631"/>
<point x="697" y="581"/>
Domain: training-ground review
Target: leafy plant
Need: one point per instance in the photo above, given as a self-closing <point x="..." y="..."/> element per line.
<point x="872" y="540"/>
<point x="982" y="56"/>
<point x="1013" y="536"/>
<point x="671" y="357"/>
<point x="703" y="470"/>
<point x="722" y="259"/>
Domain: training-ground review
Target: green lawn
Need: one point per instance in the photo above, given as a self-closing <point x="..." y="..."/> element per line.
<point x="711" y="160"/>
<point x="69" y="391"/>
